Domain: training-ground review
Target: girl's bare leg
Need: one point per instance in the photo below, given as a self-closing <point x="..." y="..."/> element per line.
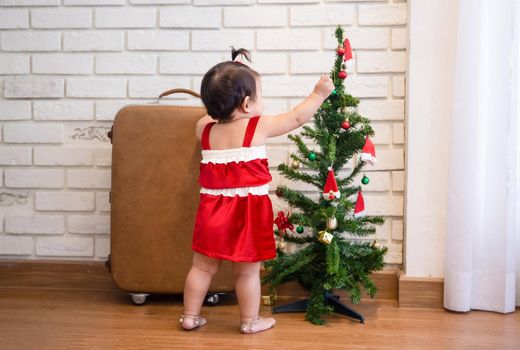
<point x="195" y="288"/>
<point x="247" y="289"/>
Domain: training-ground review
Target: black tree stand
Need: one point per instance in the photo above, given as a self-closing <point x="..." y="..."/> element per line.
<point x="330" y="299"/>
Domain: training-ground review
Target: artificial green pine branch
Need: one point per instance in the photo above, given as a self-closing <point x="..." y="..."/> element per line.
<point x="307" y="163"/>
<point x="333" y="258"/>
<point x="375" y="220"/>
<point x="302" y="147"/>
<point x="285" y="270"/>
<point x="297" y="199"/>
<point x="293" y="174"/>
<point x="309" y="132"/>
<point x="300" y="218"/>
<point x="347" y="180"/>
<point x="299" y="240"/>
<point x="316" y="306"/>
<point x="346" y="193"/>
<point x="331" y="151"/>
<point x="361" y="232"/>
<point x="291" y="238"/>
<point x="351" y="143"/>
<point x="369" y="286"/>
<point x="351" y="101"/>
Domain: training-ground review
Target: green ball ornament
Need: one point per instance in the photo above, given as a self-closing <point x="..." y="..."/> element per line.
<point x="365" y="180"/>
<point x="299" y="229"/>
<point x="312" y="156"/>
<point x="334" y="92"/>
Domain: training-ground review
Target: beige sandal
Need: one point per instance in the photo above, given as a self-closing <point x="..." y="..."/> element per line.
<point x="250" y="327"/>
<point x="198" y="321"/>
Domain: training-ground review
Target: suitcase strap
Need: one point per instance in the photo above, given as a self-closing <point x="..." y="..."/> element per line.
<point x="174" y="91"/>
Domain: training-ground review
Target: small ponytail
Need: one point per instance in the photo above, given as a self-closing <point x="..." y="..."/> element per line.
<point x="241" y="51"/>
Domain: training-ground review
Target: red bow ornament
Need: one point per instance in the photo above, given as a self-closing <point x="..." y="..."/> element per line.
<point x="282" y="221"/>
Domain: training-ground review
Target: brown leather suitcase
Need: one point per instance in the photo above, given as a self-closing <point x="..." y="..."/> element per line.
<point x="154" y="198"/>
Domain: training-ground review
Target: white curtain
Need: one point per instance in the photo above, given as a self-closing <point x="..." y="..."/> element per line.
<point x="482" y="253"/>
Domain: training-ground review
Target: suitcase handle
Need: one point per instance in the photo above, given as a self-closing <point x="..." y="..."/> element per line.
<point x="174" y="91"/>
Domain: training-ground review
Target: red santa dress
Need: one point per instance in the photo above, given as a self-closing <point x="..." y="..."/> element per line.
<point x="234" y="220"/>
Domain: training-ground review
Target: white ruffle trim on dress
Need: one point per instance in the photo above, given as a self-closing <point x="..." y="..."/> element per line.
<point x="240" y="191"/>
<point x="223" y="156"/>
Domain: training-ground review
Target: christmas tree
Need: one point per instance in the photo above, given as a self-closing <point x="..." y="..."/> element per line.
<point x="332" y="253"/>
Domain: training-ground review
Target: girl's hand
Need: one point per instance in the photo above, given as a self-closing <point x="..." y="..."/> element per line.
<point x="324" y="86"/>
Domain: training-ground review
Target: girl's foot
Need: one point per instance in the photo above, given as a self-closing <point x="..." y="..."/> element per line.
<point x="258" y="325"/>
<point x="189" y="322"/>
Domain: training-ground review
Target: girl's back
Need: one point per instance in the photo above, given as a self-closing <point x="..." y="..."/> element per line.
<point x="229" y="135"/>
<point x="235" y="216"/>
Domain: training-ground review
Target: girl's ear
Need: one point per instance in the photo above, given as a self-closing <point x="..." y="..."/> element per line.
<point x="245" y="104"/>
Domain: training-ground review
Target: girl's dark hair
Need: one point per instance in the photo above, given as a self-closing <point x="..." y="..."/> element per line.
<point x="226" y="84"/>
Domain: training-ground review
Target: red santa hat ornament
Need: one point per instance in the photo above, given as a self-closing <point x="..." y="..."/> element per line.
<point x="331" y="191"/>
<point x="347" y="57"/>
<point x="359" y="209"/>
<point x="348" y="50"/>
<point x="368" y="154"/>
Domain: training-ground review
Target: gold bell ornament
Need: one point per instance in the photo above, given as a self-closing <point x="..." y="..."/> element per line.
<point x="295" y="164"/>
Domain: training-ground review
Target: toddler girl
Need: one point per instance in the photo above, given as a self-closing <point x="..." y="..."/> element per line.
<point x="234" y="219"/>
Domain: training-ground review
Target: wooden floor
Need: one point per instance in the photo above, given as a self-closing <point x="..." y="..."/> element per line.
<point x="61" y="314"/>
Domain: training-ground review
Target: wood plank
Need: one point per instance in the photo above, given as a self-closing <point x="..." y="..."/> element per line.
<point x="94" y="275"/>
<point x="42" y="318"/>
<point x="421" y="292"/>
<point x="68" y="274"/>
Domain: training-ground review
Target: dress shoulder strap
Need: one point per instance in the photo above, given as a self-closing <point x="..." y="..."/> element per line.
<point x="250" y="131"/>
<point x="205" y="135"/>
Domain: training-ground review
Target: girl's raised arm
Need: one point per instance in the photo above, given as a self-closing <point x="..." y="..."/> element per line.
<point x="271" y="126"/>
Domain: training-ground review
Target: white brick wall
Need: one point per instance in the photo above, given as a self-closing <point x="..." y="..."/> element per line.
<point x="14" y="18"/>
<point x="34" y="178"/>
<point x="131" y="17"/>
<point x="15" y="110"/>
<point x="95" y="40"/>
<point x="61" y="18"/>
<point x="97" y="87"/>
<point x="62" y="64"/>
<point x="324" y="15"/>
<point x="64" y="201"/>
<point x="68" y="66"/>
<point x="63" y="110"/>
<point x="155" y="40"/>
<point x="15" y="64"/>
<point x="204" y="40"/>
<point x="190" y="17"/>
<point x="30" y="40"/>
<point x="34" y="224"/>
<point x="265" y="16"/>
<point x="33" y="87"/>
